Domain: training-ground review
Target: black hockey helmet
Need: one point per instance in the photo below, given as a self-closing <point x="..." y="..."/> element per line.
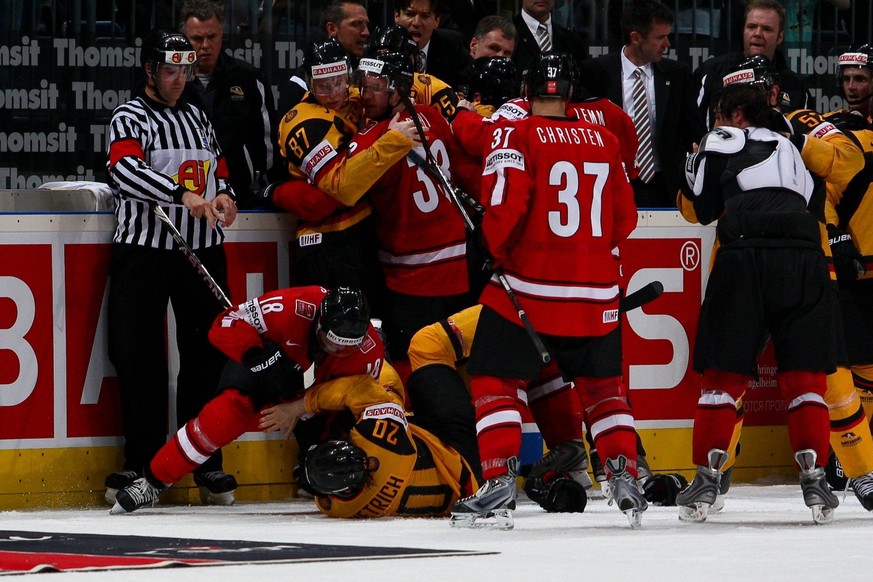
<point x="326" y="59"/>
<point x="756" y="70"/>
<point x="495" y="79"/>
<point x="551" y="75"/>
<point x="344" y="316"/>
<point x="163" y="47"/>
<point x="336" y="468"/>
<point x="396" y="67"/>
<point x="394" y="39"/>
<point x="857" y="57"/>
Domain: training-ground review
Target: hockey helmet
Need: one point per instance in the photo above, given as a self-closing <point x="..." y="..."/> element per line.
<point x="551" y="75"/>
<point x="327" y="67"/>
<point x="860" y="57"/>
<point x="495" y="79"/>
<point x="393" y="39"/>
<point x="336" y="468"/>
<point x="344" y="316"/>
<point x="757" y="70"/>
<point x="163" y="47"/>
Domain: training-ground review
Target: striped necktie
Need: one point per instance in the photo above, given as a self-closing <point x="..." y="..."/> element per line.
<point x="543" y="38"/>
<point x="643" y="125"/>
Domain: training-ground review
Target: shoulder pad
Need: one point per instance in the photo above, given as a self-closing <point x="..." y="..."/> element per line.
<point x="806" y="121"/>
<point x="723" y="140"/>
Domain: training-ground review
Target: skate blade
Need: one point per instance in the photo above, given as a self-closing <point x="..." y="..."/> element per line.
<point x="210" y="498"/>
<point x="634" y="517"/>
<point x="719" y="503"/>
<point x="822" y="514"/>
<point x="694" y="513"/>
<point x="500" y="519"/>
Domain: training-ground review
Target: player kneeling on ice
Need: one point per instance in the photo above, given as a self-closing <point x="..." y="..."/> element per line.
<point x="270" y="340"/>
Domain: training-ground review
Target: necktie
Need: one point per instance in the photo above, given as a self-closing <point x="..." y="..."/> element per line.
<point x="420" y="62"/>
<point x="543" y="38"/>
<point x="643" y="125"/>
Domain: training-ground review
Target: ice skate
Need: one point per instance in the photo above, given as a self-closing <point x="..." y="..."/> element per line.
<point x="117" y="481"/>
<point x="816" y="493"/>
<point x="216" y="487"/>
<point x="491" y="506"/>
<point x="568" y="457"/>
<point x="724" y="485"/>
<point x="863" y="488"/>
<point x="624" y="491"/>
<point x="697" y="499"/>
<point x="139" y="494"/>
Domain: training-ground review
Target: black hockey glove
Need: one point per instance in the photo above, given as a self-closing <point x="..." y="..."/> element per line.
<point x="848" y="261"/>
<point x="662" y="489"/>
<point x="558" y="494"/>
<point x="279" y="377"/>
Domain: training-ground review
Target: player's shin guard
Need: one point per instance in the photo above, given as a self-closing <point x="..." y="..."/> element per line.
<point x="611" y="420"/>
<point x="715" y="419"/>
<point x="498" y="422"/>
<point x="556" y="409"/>
<point x="808" y="423"/>
<point x="850" y="435"/>
<point x="222" y="420"/>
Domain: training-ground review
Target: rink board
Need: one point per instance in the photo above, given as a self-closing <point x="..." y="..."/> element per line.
<point x="59" y="412"/>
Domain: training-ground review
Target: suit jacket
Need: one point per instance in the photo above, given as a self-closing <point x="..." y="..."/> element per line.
<point x="677" y="123"/>
<point x="447" y="56"/>
<point x="563" y="40"/>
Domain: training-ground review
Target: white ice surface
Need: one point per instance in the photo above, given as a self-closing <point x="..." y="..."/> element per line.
<point x="764" y="533"/>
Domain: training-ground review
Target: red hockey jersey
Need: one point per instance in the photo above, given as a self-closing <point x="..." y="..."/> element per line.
<point x="288" y="318"/>
<point x="558" y="201"/>
<point x="422" y="240"/>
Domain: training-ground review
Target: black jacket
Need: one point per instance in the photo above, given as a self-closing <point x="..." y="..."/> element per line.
<point x="447" y="56"/>
<point x="563" y="40"/>
<point x="240" y="106"/>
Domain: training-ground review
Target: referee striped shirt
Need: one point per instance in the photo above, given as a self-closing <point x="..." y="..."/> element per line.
<point x="156" y="154"/>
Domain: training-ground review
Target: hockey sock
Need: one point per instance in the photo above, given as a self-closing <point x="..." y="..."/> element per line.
<point x="556" y="410"/>
<point x="715" y="419"/>
<point x="735" y="437"/>
<point x="850" y="435"/>
<point x="222" y="420"/>
<point x="611" y="419"/>
<point x="808" y="423"/>
<point x="498" y="421"/>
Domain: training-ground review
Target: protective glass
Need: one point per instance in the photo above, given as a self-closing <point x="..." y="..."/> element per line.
<point x="173" y="72"/>
<point x="330" y="86"/>
<point x="372" y="83"/>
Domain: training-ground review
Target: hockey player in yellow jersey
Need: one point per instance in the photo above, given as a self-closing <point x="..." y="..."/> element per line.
<point x="386" y="465"/>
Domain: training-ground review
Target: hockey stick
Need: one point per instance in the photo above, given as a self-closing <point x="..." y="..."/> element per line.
<point x="192" y="258"/>
<point x="646" y="293"/>
<point x="452" y="192"/>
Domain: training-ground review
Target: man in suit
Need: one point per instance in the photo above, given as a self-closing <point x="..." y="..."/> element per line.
<point x="763" y="32"/>
<point x="442" y="53"/>
<point x="537" y="33"/>
<point x="666" y="97"/>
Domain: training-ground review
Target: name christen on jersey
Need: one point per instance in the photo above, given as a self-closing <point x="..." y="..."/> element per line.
<point x="570" y="135"/>
<point x="386" y="411"/>
<point x="503" y="158"/>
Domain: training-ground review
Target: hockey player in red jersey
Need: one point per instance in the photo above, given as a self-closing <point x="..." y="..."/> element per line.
<point x="270" y="341"/>
<point x="556" y="251"/>
<point x="422" y="240"/>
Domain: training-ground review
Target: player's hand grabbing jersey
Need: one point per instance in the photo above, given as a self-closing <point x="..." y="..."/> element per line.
<point x="414" y="473"/>
<point x="558" y="201"/>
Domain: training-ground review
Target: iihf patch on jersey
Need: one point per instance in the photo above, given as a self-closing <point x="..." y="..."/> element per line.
<point x="305" y="309"/>
<point x="503" y="158"/>
<point x="317" y="158"/>
<point x="308" y="240"/>
<point x="368" y="344"/>
<point x="610" y="316"/>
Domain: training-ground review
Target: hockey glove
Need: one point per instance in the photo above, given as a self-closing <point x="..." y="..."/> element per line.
<point x="848" y="261"/>
<point x="559" y="494"/>
<point x="280" y="378"/>
<point x="662" y="489"/>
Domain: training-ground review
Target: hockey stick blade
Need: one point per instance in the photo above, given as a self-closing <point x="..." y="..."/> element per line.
<point x="641" y="296"/>
<point x="216" y="290"/>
